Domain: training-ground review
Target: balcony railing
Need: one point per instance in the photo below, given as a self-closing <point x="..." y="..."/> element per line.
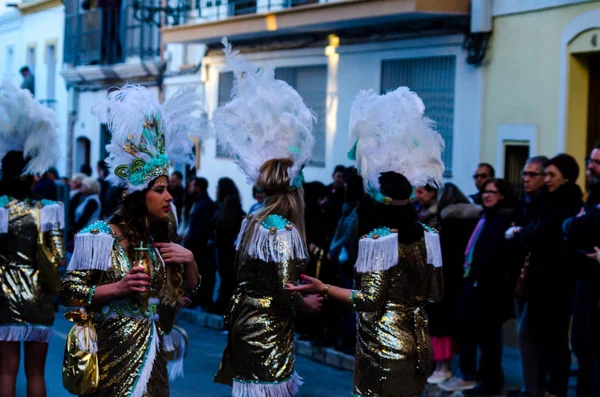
<point x="96" y="36"/>
<point x="215" y="10"/>
<point x="49" y="103"/>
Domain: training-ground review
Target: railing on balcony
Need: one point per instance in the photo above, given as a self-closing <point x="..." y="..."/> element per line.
<point x="215" y="10"/>
<point x="49" y="103"/>
<point x="108" y="35"/>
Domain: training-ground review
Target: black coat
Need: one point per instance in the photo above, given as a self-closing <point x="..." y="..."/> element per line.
<point x="582" y="235"/>
<point x="489" y="289"/>
<point x="456" y="225"/>
<point x="550" y="279"/>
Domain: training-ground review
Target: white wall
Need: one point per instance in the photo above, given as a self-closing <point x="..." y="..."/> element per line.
<point x="351" y="69"/>
<point x="504" y="7"/>
<point x="11" y="34"/>
<point x="42" y="28"/>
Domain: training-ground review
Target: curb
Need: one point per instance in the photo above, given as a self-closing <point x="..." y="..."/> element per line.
<point x="325" y="356"/>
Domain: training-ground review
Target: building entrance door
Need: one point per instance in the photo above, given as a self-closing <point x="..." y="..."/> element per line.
<point x="593" y="132"/>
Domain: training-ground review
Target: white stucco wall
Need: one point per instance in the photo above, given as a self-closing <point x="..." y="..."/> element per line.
<point x="351" y="69"/>
<point x="42" y="28"/>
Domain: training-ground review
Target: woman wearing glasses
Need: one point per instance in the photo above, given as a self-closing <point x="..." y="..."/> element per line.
<point x="491" y="264"/>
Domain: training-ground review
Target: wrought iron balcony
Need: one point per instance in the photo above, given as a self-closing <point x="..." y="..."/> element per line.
<point x="110" y="34"/>
<point x="215" y="10"/>
<point x="49" y="103"/>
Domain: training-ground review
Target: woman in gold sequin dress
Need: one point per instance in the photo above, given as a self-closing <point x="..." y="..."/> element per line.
<point x="27" y="227"/>
<point x="270" y="132"/>
<point x="398" y="270"/>
<point x="117" y="273"/>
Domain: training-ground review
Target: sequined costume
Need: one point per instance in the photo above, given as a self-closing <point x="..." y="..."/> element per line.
<point x="26" y="310"/>
<point x="395" y="281"/>
<point x="131" y="359"/>
<point x="259" y="357"/>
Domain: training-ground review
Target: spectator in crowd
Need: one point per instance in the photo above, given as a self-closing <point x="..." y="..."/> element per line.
<point x="45" y="188"/>
<point x="89" y="207"/>
<point x="343" y="253"/>
<point x="109" y="197"/>
<point x="490" y="271"/>
<point x="227" y="222"/>
<point x="197" y="234"/>
<point x="483" y="172"/>
<point x="311" y="327"/>
<point x="177" y="191"/>
<point x="75" y="184"/>
<point x="426" y="206"/>
<point x="28" y="80"/>
<point x="582" y="234"/>
<point x="258" y="195"/>
<point x="86" y="169"/>
<point x="332" y="208"/>
<point x="74" y="200"/>
<point x="526" y="212"/>
<point x="548" y="281"/>
<point x="457" y="219"/>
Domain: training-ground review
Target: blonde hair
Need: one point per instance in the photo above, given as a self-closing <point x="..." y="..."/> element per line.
<point x="280" y="200"/>
<point x="92" y="185"/>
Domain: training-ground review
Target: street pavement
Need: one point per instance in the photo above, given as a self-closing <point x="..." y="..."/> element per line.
<point x="200" y="365"/>
<point x="203" y="359"/>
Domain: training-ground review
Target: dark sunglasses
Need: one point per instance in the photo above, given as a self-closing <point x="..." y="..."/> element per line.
<point x="532" y="174"/>
<point x="491" y="192"/>
<point x="480" y="176"/>
<point x="593" y="161"/>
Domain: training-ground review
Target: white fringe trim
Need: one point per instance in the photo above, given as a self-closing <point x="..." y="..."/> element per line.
<point x="275" y="247"/>
<point x="434" y="250"/>
<point x="168" y="342"/>
<point x="238" y="240"/>
<point x="25" y="333"/>
<point x="52" y="216"/>
<point x="379" y="254"/>
<point x="92" y="252"/>
<point x="143" y="378"/>
<point x="288" y="388"/>
<point x="3" y="220"/>
<point x="178" y="343"/>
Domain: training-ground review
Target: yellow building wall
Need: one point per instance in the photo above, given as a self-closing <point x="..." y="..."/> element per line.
<point x="522" y="73"/>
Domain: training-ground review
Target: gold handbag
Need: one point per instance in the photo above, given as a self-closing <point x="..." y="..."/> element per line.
<point x="81" y="372"/>
<point x="48" y="272"/>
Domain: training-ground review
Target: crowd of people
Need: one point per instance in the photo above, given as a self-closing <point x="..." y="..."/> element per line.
<point x="355" y="264"/>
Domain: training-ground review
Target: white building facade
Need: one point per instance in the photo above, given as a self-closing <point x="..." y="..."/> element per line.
<point x="31" y="34"/>
<point x="380" y="45"/>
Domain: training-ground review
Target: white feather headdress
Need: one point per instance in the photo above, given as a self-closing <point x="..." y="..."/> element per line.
<point x="390" y="133"/>
<point x="147" y="135"/>
<point x="265" y="119"/>
<point x="29" y="127"/>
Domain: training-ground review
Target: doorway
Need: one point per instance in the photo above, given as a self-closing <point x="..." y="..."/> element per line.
<point x="593" y="131"/>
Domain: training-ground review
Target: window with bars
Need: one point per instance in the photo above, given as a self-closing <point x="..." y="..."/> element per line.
<point x="433" y="79"/>
<point x="311" y="84"/>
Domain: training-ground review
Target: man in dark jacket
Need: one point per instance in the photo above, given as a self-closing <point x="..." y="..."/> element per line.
<point x="527" y="211"/>
<point x="196" y="237"/>
<point x="549" y="281"/>
<point x="483" y="172"/>
<point x="582" y="234"/>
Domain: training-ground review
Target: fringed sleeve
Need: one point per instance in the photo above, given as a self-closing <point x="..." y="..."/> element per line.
<point x="371" y="294"/>
<point x="434" y="258"/>
<point x="91" y="257"/>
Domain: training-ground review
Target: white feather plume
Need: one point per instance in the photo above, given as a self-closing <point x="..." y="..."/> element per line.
<point x="124" y="113"/>
<point x="390" y="133"/>
<point x="28" y="126"/>
<point x="265" y="119"/>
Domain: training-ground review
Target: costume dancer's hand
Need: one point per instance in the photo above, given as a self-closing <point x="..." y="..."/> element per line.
<point x="136" y="281"/>
<point x="312" y="303"/>
<point x="174" y="253"/>
<point x="312" y="286"/>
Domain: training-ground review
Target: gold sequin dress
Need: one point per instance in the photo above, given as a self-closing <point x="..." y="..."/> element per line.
<point x="26" y="309"/>
<point x="130" y="349"/>
<point x="259" y="357"/>
<point x="394" y="283"/>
